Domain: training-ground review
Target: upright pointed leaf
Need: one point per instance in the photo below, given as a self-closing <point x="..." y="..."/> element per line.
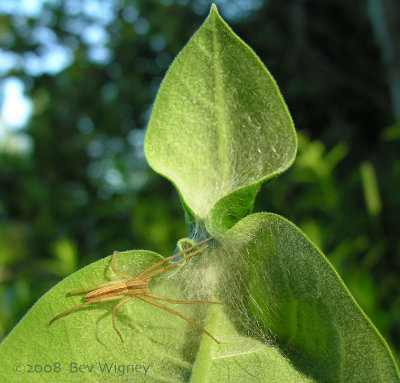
<point x="219" y="126"/>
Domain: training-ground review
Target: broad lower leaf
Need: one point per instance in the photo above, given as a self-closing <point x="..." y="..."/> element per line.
<point x="219" y="126"/>
<point x="83" y="347"/>
<point x="281" y="290"/>
<point x="285" y="316"/>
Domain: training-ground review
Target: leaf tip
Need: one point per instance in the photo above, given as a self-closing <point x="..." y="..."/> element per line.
<point x="214" y="15"/>
<point x="214" y="10"/>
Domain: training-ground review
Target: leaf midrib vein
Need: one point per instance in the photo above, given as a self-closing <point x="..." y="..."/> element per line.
<point x="221" y="122"/>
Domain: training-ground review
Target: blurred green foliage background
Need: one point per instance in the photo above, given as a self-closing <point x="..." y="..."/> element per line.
<point x="74" y="183"/>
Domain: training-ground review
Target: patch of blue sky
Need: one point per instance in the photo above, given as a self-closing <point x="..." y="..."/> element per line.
<point x="8" y="61"/>
<point x="28" y="8"/>
<point x="102" y="11"/>
<point x="15" y="107"/>
<point x="52" y="59"/>
<point x="100" y="54"/>
<point x="230" y="9"/>
<point x="40" y="34"/>
<point x="95" y="34"/>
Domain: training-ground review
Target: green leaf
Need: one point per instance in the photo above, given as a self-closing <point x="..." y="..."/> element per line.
<point x="161" y="342"/>
<point x="285" y="317"/>
<point x="219" y="126"/>
<point x="282" y="290"/>
<point x="160" y="346"/>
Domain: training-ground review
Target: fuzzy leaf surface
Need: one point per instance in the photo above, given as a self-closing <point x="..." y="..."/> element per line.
<point x="83" y="347"/>
<point x="219" y="126"/>
<point x="285" y="317"/>
<point x="283" y="291"/>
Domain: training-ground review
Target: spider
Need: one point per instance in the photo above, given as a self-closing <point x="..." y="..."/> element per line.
<point x="137" y="287"/>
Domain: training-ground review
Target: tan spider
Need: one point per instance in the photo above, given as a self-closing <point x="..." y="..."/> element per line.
<point x="137" y="287"/>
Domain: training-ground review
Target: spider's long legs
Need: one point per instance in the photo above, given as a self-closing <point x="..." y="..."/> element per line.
<point x="172" y="257"/>
<point x="68" y="311"/>
<point x="141" y="297"/>
<point x="165" y="268"/>
<point x="174" y="301"/>
<point x="118" y="271"/>
<point x="113" y="316"/>
<point x="92" y="288"/>
<point x="92" y="300"/>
